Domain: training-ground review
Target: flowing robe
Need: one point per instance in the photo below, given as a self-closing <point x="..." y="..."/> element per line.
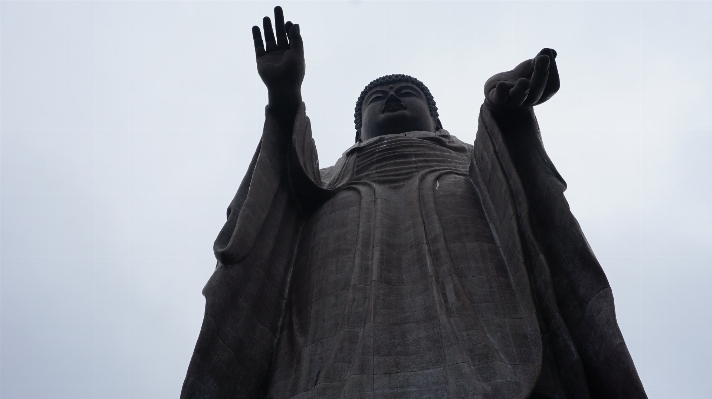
<point x="417" y="266"/>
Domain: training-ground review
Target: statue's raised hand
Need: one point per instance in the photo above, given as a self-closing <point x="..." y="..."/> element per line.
<point x="531" y="83"/>
<point x="281" y="63"/>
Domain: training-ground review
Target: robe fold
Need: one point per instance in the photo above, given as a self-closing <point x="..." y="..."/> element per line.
<point x="416" y="266"/>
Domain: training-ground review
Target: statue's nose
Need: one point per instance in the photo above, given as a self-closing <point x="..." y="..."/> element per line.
<point x="392" y="98"/>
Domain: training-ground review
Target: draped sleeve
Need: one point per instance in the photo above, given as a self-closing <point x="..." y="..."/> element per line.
<point x="245" y="297"/>
<point x="584" y="351"/>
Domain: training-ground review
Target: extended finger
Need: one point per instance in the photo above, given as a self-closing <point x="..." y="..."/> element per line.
<point x="537" y="83"/>
<point x="552" y="82"/>
<point x="500" y="94"/>
<point x="295" y="38"/>
<point x="279" y="28"/>
<point x="269" y="34"/>
<point x="288" y="26"/>
<point x="257" y="37"/>
<point x="518" y="93"/>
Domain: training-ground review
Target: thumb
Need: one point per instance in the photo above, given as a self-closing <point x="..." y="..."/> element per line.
<point x="295" y="38"/>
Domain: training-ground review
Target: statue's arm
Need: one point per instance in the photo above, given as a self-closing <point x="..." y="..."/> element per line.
<point x="281" y="66"/>
<point x="510" y="98"/>
<point x="582" y="293"/>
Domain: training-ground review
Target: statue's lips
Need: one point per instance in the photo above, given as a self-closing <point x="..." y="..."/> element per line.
<point x="393" y="107"/>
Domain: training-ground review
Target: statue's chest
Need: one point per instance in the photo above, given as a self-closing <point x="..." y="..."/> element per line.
<point x="394" y="160"/>
<point x="398" y="274"/>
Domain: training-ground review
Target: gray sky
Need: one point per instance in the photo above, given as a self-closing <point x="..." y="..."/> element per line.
<point x="127" y="127"/>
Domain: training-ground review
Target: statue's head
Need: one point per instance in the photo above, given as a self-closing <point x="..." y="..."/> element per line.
<point x="395" y="104"/>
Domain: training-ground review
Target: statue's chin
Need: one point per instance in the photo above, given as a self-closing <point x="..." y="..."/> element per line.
<point x="396" y="122"/>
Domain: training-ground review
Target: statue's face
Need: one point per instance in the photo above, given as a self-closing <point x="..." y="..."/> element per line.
<point x="395" y="108"/>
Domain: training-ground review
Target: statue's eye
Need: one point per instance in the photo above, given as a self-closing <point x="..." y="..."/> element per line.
<point x="376" y="98"/>
<point x="406" y="94"/>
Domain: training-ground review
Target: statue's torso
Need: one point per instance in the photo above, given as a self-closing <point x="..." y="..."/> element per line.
<point x="399" y="286"/>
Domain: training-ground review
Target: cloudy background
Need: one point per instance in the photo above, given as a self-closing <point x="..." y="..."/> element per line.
<point x="127" y="127"/>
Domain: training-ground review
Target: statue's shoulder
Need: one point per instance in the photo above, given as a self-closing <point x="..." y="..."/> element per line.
<point x="455" y="141"/>
<point x="339" y="173"/>
<point x="327" y="174"/>
<point x="452" y="142"/>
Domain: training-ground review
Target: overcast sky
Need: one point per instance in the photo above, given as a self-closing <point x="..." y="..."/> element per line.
<point x="128" y="126"/>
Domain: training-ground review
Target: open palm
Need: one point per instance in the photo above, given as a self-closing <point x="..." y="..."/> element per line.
<point x="530" y="83"/>
<point x="281" y="63"/>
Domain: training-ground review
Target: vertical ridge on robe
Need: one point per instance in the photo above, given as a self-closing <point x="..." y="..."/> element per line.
<point x="394" y="293"/>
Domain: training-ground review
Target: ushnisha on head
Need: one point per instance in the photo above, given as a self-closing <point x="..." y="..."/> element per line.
<point x="395" y="104"/>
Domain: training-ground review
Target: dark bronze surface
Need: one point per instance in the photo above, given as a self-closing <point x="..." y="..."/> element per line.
<point x="417" y="266"/>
